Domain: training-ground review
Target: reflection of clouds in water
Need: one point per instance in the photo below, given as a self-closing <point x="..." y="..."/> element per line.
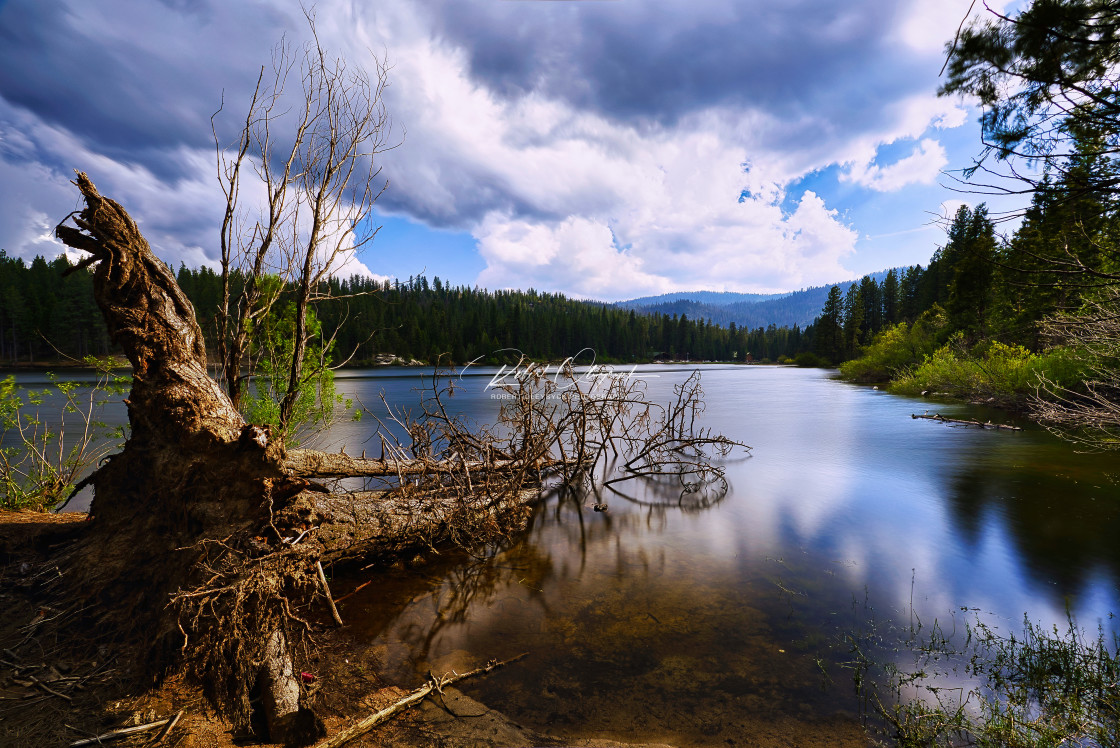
<point x="842" y="484"/>
<point x="843" y="493"/>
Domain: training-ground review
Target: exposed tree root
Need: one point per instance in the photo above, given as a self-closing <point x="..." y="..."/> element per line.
<point x="207" y="537"/>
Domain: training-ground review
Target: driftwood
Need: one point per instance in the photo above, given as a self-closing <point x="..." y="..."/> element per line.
<point x="434" y="684"/>
<point x="167" y="724"/>
<point x="988" y="425"/>
<point x="310" y="463"/>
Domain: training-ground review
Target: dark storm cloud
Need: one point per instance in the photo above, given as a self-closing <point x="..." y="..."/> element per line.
<point x="551" y="124"/>
<point x="132" y="83"/>
<point x="658" y="61"/>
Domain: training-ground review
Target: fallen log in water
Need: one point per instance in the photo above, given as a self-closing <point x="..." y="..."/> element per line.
<point x="365" y="525"/>
<point x="207" y="534"/>
<point x="310" y="463"/>
<point x="988" y="425"/>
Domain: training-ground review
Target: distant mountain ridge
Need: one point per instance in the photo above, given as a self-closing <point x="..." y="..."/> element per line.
<point x="715" y="298"/>
<point x="745" y="309"/>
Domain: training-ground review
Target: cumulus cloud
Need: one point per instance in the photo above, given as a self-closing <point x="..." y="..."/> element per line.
<point x="602" y="149"/>
<point x="922" y="167"/>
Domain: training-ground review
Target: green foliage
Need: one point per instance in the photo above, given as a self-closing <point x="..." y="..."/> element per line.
<point x="273" y="349"/>
<point x="1042" y="688"/>
<point x="53" y="435"/>
<point x="896" y="349"/>
<point x="809" y="360"/>
<point x="1005" y="374"/>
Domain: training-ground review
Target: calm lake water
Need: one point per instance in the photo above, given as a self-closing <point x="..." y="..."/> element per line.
<point x="712" y="627"/>
<point x="716" y="627"/>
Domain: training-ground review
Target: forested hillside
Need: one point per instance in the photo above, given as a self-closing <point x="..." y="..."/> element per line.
<point x="424" y="320"/>
<point x="714" y="298"/>
<point x="797" y="308"/>
<point x="47" y="315"/>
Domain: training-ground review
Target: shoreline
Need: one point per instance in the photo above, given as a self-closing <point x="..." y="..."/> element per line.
<point x="347" y="674"/>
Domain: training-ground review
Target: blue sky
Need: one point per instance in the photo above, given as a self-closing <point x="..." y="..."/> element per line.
<point x="599" y="149"/>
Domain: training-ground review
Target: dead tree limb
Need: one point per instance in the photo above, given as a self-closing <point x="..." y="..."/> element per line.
<point x="124" y="732"/>
<point x="327" y="593"/>
<point x="988" y="425"/>
<point x="310" y="463"/>
<point x="434" y="684"/>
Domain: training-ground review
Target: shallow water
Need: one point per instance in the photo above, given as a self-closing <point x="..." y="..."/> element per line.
<point x="717" y="627"/>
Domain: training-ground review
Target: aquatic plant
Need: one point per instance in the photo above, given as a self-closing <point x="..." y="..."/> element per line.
<point x="1040" y="687"/>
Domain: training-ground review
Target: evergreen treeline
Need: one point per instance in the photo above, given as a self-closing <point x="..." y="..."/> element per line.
<point x="852" y="319"/>
<point x="981" y="288"/>
<point x="46" y="315"/>
<point x="972" y="323"/>
<point x="418" y="319"/>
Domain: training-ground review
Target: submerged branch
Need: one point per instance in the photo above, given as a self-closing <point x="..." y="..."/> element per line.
<point x="434" y="684"/>
<point x="988" y="425"/>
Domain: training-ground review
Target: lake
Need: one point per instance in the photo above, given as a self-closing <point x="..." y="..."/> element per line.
<point x="704" y="627"/>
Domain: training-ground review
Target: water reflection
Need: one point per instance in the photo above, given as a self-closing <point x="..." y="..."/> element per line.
<point x="1061" y="517"/>
<point x="697" y="627"/>
<point x="648" y="621"/>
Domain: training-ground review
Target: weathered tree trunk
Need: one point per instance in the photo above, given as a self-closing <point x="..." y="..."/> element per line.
<point x="195" y="493"/>
<point x="206" y="534"/>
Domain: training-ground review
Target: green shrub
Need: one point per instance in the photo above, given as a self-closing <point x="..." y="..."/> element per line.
<point x="897" y="348"/>
<point x="811" y="360"/>
<point x="39" y="467"/>
<point x="1007" y="374"/>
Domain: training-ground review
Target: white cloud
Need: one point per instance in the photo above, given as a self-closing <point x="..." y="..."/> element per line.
<point x="928" y="26"/>
<point x="575" y="202"/>
<point x="577" y="254"/>
<point x="921" y="167"/>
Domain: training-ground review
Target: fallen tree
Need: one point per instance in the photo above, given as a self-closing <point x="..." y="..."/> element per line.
<point x="207" y="535"/>
<point x="978" y="424"/>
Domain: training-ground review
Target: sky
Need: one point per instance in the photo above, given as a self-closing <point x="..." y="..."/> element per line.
<point x="605" y="149"/>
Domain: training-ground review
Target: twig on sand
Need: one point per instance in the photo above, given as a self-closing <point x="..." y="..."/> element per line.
<point x="435" y="684"/>
<point x="126" y="731"/>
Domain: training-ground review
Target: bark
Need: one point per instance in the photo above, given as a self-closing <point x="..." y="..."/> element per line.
<point x="191" y="472"/>
<point x="205" y="535"/>
<point x="309" y="463"/>
<point x="384" y="524"/>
